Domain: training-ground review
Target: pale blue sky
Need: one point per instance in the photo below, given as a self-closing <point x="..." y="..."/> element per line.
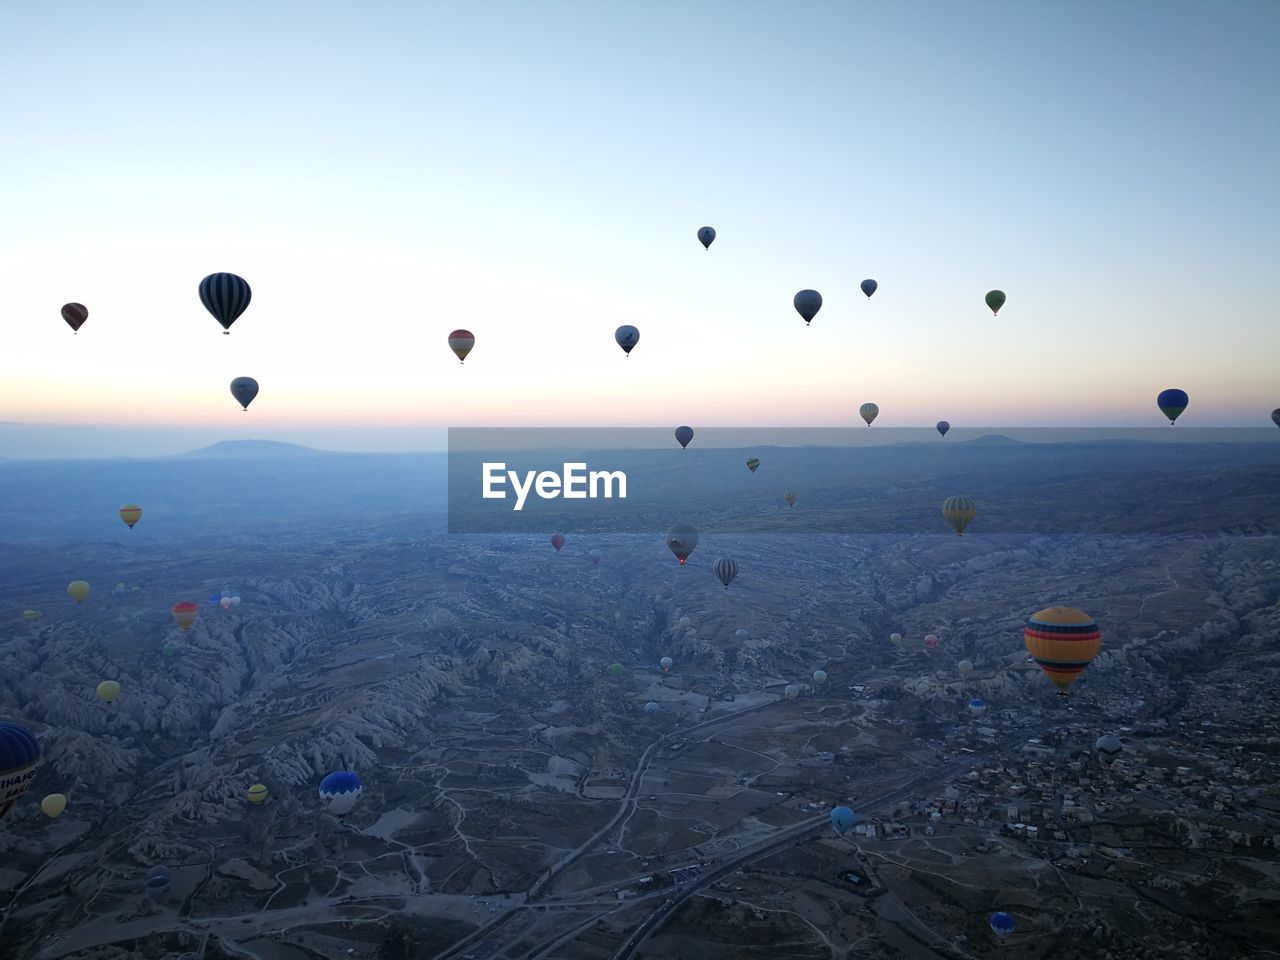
<point x="536" y="172"/>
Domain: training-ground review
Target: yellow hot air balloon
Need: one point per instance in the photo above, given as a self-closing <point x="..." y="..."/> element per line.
<point x="108" y="690"/>
<point x="53" y="805"/>
<point x="77" y="590"/>
<point x="31" y="615"/>
<point x="130" y="514"/>
<point x="1063" y="640"/>
<point x="258" y="793"/>
<point x="959" y="512"/>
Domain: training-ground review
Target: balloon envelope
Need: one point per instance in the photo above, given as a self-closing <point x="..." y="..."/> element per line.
<point x="627" y="337"/>
<point x="77" y="590"/>
<point x="130" y="514"/>
<point x="1275" y="416"/>
<point x="868" y="412"/>
<point x="726" y="569"/>
<point x="19" y="760"/>
<point x="53" y="805"/>
<point x="1108" y="745"/>
<point x="977" y="706"/>
<point x="258" y="793"/>
<point x="108" y="690"/>
<point x="1063" y="640"/>
<point x="819" y="676"/>
<point x="753" y="463"/>
<point x="75" y="314"/>
<point x="1002" y="923"/>
<point x="596" y="556"/>
<point x="807" y="304"/>
<point x="684" y="435"/>
<point x="340" y="790"/>
<point x="1172" y="402"/>
<point x="790" y="497"/>
<point x="965" y="667"/>
<point x="157" y="883"/>
<point x="706" y="235"/>
<point x="995" y="300"/>
<point x="226" y="296"/>
<point x="557" y="541"/>
<point x="740" y="634"/>
<point x="932" y="641"/>
<point x="184" y="614"/>
<point x="842" y="820"/>
<point x="461" y="342"/>
<point x="681" y="541"/>
<point x="244" y="389"/>
<point x="650" y="707"/>
<point x="31" y="615"/>
<point x="791" y="691"/>
<point x="943" y="427"/>
<point x="959" y="512"/>
<point x="869" y="287"/>
<point x="666" y="663"/>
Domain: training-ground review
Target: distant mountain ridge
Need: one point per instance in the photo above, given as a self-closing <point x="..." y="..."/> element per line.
<point x="995" y="439"/>
<point x="251" y="450"/>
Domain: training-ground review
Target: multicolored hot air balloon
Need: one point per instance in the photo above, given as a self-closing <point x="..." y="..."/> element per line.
<point x="977" y="707"/>
<point x="666" y="663"/>
<point x="932" y="642"/>
<point x="868" y="412"/>
<point x="706" y="235"/>
<point x="1172" y="402"/>
<point x="130" y="514"/>
<point x="108" y="690"/>
<point x="627" y="337"/>
<point x="461" y="342"/>
<point x="339" y="791"/>
<point x="683" y="436"/>
<point x="869" y="287"/>
<point x="681" y="541"/>
<point x="557" y="541"/>
<point x="75" y="314"/>
<point x="244" y="389"/>
<point x="1063" y="640"/>
<point x="226" y="296"/>
<point x="842" y="820"/>
<point x="1002" y="924"/>
<point x="995" y="300"/>
<point x="258" y="793"/>
<point x="19" y="758"/>
<point x="77" y="590"/>
<point x="790" y="497"/>
<point x="184" y="614"/>
<point x="807" y="304"/>
<point x="943" y="427"/>
<point x="596" y="556"/>
<point x="753" y="463"/>
<point x="959" y="512"/>
<point x="726" y="569"/>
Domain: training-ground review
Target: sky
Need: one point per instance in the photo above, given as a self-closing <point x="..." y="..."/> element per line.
<point x="536" y="173"/>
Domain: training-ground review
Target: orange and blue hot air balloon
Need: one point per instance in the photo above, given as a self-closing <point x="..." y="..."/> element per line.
<point x="1063" y="640"/>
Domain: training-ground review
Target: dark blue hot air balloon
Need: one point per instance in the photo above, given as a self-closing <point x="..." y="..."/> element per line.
<point x="807" y="304"/>
<point x="19" y="758"/>
<point x="869" y="287"/>
<point x="158" y="882"/>
<point x="842" y="820"/>
<point x="943" y="427"/>
<point x="977" y="707"/>
<point x="684" y="435"/>
<point x="340" y="790"/>
<point x="706" y="235"/>
<point x="627" y="337"/>
<point x="244" y="389"/>
<point x="226" y="296"/>
<point x="1002" y="924"/>
<point x="1172" y="402"/>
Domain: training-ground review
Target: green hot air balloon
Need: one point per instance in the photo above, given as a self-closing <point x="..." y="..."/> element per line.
<point x="617" y="669"/>
<point x="995" y="300"/>
<point x="753" y="463"/>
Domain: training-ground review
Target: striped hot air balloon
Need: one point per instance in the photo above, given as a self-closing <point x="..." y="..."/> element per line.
<point x="868" y="412"/>
<point x="130" y="514"/>
<point x="461" y="342"/>
<point x="959" y="512"/>
<point x="1063" y="640"/>
<point x="226" y="296"/>
<point x="258" y="793"/>
<point x="726" y="570"/>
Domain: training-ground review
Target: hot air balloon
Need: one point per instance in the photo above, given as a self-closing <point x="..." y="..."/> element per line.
<point x="683" y="436"/>
<point x="53" y="805"/>
<point x="753" y="463"/>
<point x="339" y="791"/>
<point x="932" y="642"/>
<point x="896" y="639"/>
<point x="1172" y="402"/>
<point x="1108" y="747"/>
<point x="807" y="304"/>
<point x="258" y="793"/>
<point x="616" y="669"/>
<point x="959" y="512"/>
<point x="819" y="676"/>
<point x="130" y="514"/>
<point x="965" y="667"/>
<point x="681" y="540"/>
<point x="108" y="690"/>
<point x="235" y="600"/>
<point x="244" y="389"/>
<point x="868" y="412"/>
<point x="977" y="707"/>
<point x="790" y="497"/>
<point x="184" y="614"/>
<point x="168" y="650"/>
<point x="627" y="337"/>
<point x="683" y="622"/>
<point x="1002" y="924"/>
<point x="224" y="602"/>
<point x="75" y="314"/>
<point x="1275" y="416"/>
<point x="31" y="616"/>
<point x="596" y="556"/>
<point x="869" y="287"/>
<point x="650" y="707"/>
<point x="77" y="590"/>
<point x="157" y="883"/>
<point x="226" y="296"/>
<point x="557" y="541"/>
<point x="740" y="635"/>
<point x="1063" y="640"/>
<point x="791" y="691"/>
<point x="461" y="342"/>
<point x="666" y="663"/>
<point x="706" y="235"/>
<point x="842" y="820"/>
<point x="995" y="300"/>
<point x="943" y="427"/>
<point x="726" y="570"/>
<point x="19" y="758"/>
